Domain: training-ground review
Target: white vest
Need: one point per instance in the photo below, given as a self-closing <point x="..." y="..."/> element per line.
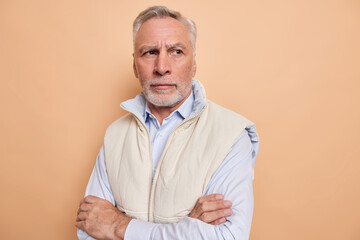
<point x="194" y="151"/>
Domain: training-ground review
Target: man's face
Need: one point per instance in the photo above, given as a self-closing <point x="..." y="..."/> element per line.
<point x="164" y="61"/>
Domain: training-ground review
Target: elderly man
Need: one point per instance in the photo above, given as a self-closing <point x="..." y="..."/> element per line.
<point x="177" y="166"/>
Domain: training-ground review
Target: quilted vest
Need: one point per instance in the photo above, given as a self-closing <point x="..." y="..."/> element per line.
<point x="194" y="151"/>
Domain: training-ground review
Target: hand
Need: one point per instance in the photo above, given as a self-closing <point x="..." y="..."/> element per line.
<point x="100" y="219"/>
<point x="212" y="209"/>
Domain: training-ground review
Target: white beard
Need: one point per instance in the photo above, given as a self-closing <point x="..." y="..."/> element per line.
<point x="160" y="98"/>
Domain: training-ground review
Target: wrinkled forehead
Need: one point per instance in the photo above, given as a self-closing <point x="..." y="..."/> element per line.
<point x="164" y="30"/>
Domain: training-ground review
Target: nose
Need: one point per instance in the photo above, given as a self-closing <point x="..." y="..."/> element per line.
<point x="162" y="64"/>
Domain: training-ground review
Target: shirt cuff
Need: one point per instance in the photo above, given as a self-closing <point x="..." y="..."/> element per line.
<point x="139" y="230"/>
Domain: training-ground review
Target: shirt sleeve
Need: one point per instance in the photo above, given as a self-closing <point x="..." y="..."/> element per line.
<point x="99" y="186"/>
<point x="233" y="179"/>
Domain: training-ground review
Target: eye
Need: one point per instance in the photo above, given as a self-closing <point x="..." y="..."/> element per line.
<point x="150" y="52"/>
<point x="177" y="51"/>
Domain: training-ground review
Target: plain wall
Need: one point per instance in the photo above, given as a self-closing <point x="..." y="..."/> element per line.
<point x="292" y="67"/>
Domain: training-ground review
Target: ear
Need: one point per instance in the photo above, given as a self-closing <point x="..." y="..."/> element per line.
<point x="194" y="68"/>
<point x="134" y="68"/>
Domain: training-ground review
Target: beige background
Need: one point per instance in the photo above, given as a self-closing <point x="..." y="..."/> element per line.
<point x="292" y="67"/>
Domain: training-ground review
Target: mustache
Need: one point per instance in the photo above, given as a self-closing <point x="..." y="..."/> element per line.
<point x="161" y="80"/>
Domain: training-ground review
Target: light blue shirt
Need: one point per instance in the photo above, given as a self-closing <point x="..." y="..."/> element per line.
<point x="233" y="178"/>
<point x="160" y="133"/>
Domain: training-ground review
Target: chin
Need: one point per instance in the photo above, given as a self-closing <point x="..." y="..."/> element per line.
<point x="162" y="101"/>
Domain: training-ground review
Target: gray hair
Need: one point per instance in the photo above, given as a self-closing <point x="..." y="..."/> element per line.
<point x="161" y="11"/>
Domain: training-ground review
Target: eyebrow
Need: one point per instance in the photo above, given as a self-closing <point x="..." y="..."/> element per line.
<point x="175" y="45"/>
<point x="154" y="47"/>
<point x="147" y="47"/>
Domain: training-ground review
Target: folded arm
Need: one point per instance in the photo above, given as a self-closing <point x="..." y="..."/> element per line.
<point x="233" y="180"/>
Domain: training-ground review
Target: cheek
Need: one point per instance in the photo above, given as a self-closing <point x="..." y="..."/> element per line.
<point x="190" y="70"/>
<point x="144" y="70"/>
<point x="185" y="68"/>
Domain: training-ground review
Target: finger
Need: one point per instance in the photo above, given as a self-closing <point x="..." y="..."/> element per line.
<point x="211" y="197"/>
<point x="81" y="216"/>
<point x="209" y="206"/>
<point x="91" y="199"/>
<point x="214" y="215"/>
<point x="80" y="225"/>
<point x="215" y="205"/>
<point x="197" y="210"/>
<point x="88" y="199"/>
<point x="84" y="207"/>
<point x="218" y="221"/>
<point x="82" y="201"/>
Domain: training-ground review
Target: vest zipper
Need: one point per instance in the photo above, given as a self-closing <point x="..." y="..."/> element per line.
<point x="153" y="181"/>
<point x="151" y="205"/>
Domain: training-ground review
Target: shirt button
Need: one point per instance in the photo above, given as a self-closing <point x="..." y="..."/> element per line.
<point x="161" y="134"/>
